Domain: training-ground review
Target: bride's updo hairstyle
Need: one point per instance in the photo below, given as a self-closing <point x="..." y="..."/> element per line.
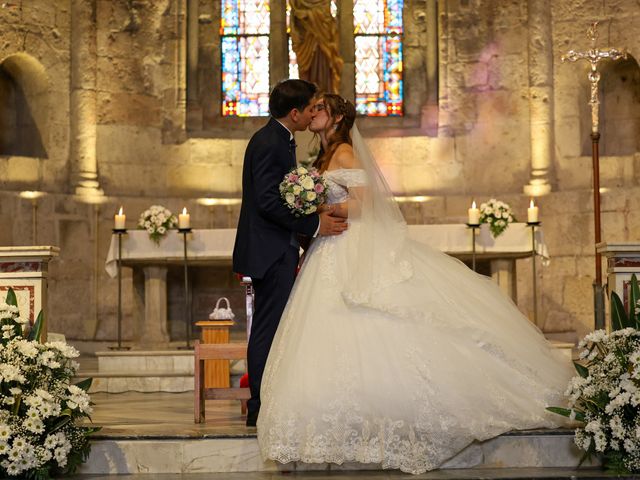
<point x="338" y="130"/>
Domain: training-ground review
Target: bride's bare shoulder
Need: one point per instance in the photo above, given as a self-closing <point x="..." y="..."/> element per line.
<point x="344" y="157"/>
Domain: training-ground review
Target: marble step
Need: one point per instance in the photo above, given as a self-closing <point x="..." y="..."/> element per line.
<point x="130" y="454"/>
<point x="145" y="371"/>
<point x="150" y="381"/>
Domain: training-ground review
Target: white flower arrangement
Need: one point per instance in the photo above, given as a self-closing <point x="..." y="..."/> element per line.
<point x="303" y="190"/>
<point x="497" y="214"/>
<point x="39" y="407"/>
<point x="157" y="220"/>
<point x="605" y="395"/>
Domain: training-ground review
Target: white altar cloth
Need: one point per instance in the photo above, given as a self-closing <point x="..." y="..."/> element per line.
<point x="217" y="244"/>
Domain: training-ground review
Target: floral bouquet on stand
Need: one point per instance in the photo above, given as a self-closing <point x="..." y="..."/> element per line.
<point x="605" y="395"/>
<point x="157" y="220"/>
<point x="497" y="214"/>
<point x="39" y="407"/>
<point x="303" y="191"/>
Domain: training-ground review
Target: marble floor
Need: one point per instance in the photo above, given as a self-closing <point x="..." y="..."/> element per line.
<point x="160" y="416"/>
<point x="471" y="474"/>
<point x="164" y="415"/>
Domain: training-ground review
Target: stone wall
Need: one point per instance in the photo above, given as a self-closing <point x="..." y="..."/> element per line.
<point x="477" y="142"/>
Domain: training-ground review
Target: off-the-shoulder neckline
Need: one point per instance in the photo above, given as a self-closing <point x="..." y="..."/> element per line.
<point x="344" y="170"/>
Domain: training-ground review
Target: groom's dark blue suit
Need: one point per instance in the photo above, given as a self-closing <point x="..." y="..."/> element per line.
<point x="266" y="248"/>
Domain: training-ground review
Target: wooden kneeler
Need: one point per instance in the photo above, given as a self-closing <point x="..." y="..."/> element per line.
<point x="215" y="351"/>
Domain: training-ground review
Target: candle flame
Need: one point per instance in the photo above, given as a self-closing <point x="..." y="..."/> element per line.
<point x="531" y="205"/>
<point x="120" y="212"/>
<point x="184" y="211"/>
<point x="473" y="204"/>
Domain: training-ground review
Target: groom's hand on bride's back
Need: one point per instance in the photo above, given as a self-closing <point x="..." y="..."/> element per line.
<point x="330" y="225"/>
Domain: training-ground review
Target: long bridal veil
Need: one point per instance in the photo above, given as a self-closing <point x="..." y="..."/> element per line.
<point x="377" y="251"/>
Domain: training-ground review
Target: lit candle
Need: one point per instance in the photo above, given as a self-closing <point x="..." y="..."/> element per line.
<point x="532" y="213"/>
<point x="120" y="219"/>
<point x="474" y="214"/>
<point x="183" y="219"/>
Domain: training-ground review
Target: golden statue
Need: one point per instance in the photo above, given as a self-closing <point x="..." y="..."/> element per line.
<point x="314" y="37"/>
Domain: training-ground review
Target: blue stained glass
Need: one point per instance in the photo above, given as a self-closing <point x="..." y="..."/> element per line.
<point x="378" y="28"/>
<point x="244" y="27"/>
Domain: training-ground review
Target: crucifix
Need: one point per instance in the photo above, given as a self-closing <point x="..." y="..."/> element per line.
<point x="594" y="55"/>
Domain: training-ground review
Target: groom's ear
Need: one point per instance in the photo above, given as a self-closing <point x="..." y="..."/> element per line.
<point x="294" y="114"/>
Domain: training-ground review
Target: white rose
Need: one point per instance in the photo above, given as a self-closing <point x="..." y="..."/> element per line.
<point x="302" y="171"/>
<point x="311" y="196"/>
<point x="297" y="189"/>
<point x="307" y="183"/>
<point x="290" y="198"/>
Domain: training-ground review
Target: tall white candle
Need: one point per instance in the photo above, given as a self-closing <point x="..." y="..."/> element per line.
<point x="474" y="214"/>
<point x="532" y="213"/>
<point x="183" y="219"/>
<point x="119" y="220"/>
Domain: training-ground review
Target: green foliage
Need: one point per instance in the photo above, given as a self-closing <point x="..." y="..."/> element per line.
<point x="36" y="330"/>
<point x="620" y="318"/>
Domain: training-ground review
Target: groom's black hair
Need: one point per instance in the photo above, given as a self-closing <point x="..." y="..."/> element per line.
<point x="290" y="94"/>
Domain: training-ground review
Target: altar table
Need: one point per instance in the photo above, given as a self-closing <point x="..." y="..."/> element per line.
<point x="215" y="246"/>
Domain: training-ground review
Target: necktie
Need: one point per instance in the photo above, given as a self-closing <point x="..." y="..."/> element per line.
<point x="292" y="149"/>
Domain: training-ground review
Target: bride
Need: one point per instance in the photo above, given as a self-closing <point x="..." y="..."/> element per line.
<point x="389" y="351"/>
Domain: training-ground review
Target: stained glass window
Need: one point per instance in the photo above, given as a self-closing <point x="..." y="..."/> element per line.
<point x="378" y="32"/>
<point x="244" y="28"/>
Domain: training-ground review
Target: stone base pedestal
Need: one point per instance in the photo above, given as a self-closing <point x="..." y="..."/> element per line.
<point x="143" y="371"/>
<point x="25" y="270"/>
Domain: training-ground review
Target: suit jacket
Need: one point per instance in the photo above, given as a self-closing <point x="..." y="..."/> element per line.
<point x="266" y="226"/>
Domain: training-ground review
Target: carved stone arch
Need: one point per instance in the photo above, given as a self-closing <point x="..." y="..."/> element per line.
<point x="619" y="92"/>
<point x="24" y="106"/>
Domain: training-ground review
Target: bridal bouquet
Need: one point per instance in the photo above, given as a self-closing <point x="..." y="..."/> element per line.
<point x="497" y="214"/>
<point x="303" y="190"/>
<point x="39" y="407"/>
<point x="605" y="395"/>
<point x="157" y="220"/>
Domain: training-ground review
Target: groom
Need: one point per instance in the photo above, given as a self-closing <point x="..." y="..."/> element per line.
<point x="266" y="247"/>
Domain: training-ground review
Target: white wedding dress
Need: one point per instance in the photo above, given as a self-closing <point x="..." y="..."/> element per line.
<point x="408" y="378"/>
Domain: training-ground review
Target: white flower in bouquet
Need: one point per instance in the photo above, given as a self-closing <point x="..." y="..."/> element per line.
<point x="40" y="434"/>
<point x="497" y="214"/>
<point x="157" y="220"/>
<point x="605" y="396"/>
<point x="303" y="190"/>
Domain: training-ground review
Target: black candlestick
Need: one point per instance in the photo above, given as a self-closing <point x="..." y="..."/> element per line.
<point x="187" y="302"/>
<point x="533" y="226"/>
<point x="473" y="227"/>
<point x="119" y="232"/>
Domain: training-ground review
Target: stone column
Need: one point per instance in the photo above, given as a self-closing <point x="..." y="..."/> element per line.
<point x="154" y="330"/>
<point x="347" y="48"/>
<point x="278" y="45"/>
<point x="503" y="272"/>
<point x="83" y="100"/>
<point x="540" y="97"/>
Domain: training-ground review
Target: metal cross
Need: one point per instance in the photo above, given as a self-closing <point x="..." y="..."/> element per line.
<point x="593" y="56"/>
